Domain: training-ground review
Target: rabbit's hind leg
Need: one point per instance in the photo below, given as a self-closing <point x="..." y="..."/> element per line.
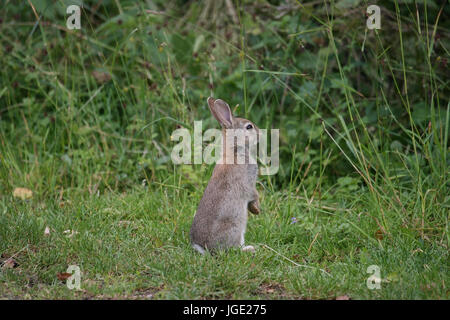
<point x="246" y="248"/>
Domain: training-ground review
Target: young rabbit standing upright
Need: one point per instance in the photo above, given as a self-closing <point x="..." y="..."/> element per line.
<point x="221" y="217"/>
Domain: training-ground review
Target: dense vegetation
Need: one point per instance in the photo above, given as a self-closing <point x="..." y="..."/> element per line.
<point x="86" y="118"/>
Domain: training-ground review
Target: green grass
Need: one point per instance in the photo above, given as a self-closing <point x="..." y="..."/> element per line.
<point x="86" y="118"/>
<point x="135" y="244"/>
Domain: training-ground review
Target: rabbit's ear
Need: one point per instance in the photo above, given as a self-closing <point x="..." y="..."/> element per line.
<point x="221" y="111"/>
<point x="211" y="101"/>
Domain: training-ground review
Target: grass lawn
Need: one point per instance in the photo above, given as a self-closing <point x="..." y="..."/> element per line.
<point x="135" y="245"/>
<point x="87" y="118"/>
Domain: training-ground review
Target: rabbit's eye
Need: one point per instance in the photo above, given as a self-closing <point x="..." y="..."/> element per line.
<point x="249" y="126"/>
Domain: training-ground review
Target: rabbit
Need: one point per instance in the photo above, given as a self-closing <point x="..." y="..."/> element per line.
<point x="221" y="217"/>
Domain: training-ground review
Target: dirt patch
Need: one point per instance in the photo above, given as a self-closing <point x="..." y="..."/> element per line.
<point x="270" y="290"/>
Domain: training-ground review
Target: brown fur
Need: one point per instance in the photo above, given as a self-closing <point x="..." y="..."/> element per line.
<point x="221" y="218"/>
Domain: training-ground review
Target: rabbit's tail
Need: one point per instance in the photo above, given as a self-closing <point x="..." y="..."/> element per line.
<point x="198" y="248"/>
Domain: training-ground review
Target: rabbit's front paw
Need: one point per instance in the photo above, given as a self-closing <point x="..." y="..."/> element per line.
<point x="253" y="207"/>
